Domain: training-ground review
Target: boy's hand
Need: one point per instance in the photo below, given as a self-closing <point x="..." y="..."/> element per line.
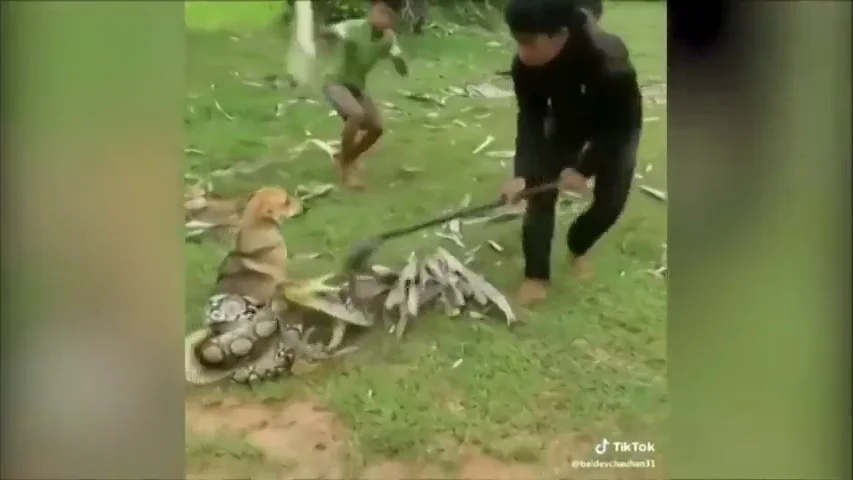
<point x="573" y="181"/>
<point x="511" y="189"/>
<point x="396" y="53"/>
<point x="400" y="66"/>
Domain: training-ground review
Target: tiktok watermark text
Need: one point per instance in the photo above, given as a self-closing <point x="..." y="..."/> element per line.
<point x="648" y="463"/>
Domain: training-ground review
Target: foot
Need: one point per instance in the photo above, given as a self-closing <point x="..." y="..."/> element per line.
<point x="350" y="176"/>
<point x="351" y="179"/>
<point x="532" y="291"/>
<point x="582" y="268"/>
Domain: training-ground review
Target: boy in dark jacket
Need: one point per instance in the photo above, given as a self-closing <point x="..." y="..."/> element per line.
<point x="579" y="116"/>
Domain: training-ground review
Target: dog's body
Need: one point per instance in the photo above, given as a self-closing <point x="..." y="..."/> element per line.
<point x="257" y="266"/>
<point x="243" y="334"/>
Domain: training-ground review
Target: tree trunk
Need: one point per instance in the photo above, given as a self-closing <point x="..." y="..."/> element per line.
<point x="414" y="15"/>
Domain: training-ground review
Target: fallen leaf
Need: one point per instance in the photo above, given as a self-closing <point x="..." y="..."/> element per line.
<point x="313" y="190"/>
<point x="488" y="90"/>
<point x="455" y="227"/>
<point x="423" y="98"/>
<point x="453" y="238"/>
<point x="222" y="110"/>
<point x="324" y="146"/>
<point x="488" y="141"/>
<point x="479" y="285"/>
<point x="653" y="192"/>
<point x="501" y="154"/>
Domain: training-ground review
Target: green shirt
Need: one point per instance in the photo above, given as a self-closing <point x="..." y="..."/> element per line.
<point x="361" y="51"/>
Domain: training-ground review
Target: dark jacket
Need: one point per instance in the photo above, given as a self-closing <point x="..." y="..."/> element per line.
<point x="589" y="93"/>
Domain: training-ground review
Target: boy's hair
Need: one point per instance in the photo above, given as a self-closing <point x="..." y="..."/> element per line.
<point x="544" y="16"/>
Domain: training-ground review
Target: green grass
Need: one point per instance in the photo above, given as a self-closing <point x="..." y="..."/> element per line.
<point x="215" y="15"/>
<point x="591" y="359"/>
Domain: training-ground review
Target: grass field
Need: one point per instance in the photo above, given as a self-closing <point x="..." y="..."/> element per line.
<point x="589" y="363"/>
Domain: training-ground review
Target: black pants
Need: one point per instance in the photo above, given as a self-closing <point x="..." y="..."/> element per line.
<point x="612" y="164"/>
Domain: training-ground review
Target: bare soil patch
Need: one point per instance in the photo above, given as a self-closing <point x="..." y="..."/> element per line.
<point x="304" y="440"/>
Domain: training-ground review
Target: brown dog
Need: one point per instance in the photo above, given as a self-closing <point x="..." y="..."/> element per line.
<point x="257" y="266"/>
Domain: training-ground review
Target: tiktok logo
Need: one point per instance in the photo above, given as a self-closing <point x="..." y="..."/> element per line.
<point x="601" y="447"/>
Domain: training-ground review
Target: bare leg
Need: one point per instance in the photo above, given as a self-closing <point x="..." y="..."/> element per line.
<point x="368" y="139"/>
<point x="350" y="109"/>
<point x="372" y="128"/>
<point x="349" y="140"/>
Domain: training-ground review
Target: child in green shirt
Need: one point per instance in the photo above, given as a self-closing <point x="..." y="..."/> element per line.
<point x="365" y="41"/>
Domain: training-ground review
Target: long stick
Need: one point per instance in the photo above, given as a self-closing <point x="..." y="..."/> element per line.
<point x="465" y="212"/>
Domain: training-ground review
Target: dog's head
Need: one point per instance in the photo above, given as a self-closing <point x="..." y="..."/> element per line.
<point x="271" y="203"/>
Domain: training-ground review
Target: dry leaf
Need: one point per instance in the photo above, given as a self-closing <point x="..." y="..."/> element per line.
<point x="324" y="146"/>
<point x="658" y="272"/>
<point x="395" y="297"/>
<point x="313" y="190"/>
<point x="496" y="246"/>
<point x="453" y="238"/>
<point x="333" y="307"/>
<point x="478" y="283"/>
<point x="398" y="294"/>
<point x="488" y="90"/>
<point x="455" y="226"/>
<point x="222" y="110"/>
<point x="402" y="323"/>
<point x="501" y="154"/>
<point x="423" y="98"/>
<point x="653" y="192"/>
<point x="488" y="141"/>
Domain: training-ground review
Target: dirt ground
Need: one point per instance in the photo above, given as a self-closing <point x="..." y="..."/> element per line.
<point x="304" y="440"/>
